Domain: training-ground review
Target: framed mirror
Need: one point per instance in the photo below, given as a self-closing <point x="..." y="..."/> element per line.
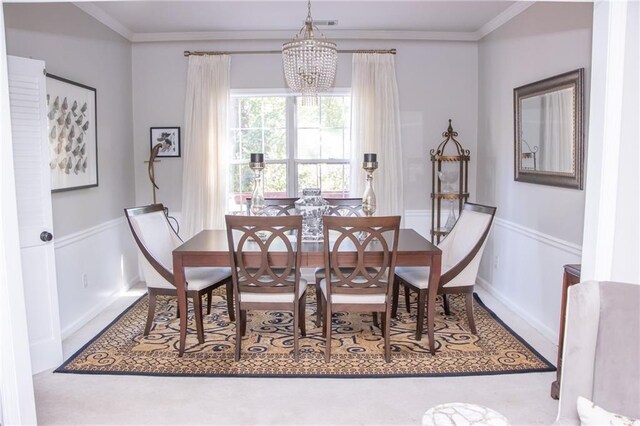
<point x="549" y="131"/>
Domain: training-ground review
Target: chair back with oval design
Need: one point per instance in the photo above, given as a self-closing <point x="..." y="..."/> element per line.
<point x="372" y="244"/>
<point x="345" y="207"/>
<point x="265" y="252"/>
<point x="276" y="206"/>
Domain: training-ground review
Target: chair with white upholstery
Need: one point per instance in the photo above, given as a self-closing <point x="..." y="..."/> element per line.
<point x="265" y="253"/>
<point x="461" y="254"/>
<point x="359" y="264"/>
<point x="156" y="241"/>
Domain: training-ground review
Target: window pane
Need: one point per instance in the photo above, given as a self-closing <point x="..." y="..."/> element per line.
<point x="275" y="112"/>
<point x="332" y="145"/>
<point x="251" y="113"/>
<point x="347" y="142"/>
<point x="308" y="143"/>
<point x="334" y="179"/>
<point x="275" y="144"/>
<point x="236" y="145"/>
<point x="308" y="176"/>
<point x="308" y="116"/>
<point x="250" y="141"/>
<point x="275" y="180"/>
<point x="333" y="111"/>
<point x="241" y="183"/>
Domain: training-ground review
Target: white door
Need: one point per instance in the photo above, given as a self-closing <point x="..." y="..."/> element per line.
<point x="27" y="97"/>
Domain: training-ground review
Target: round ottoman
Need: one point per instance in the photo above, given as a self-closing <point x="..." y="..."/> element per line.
<point x="462" y="414"/>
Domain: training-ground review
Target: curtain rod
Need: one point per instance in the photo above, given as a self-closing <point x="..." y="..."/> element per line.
<point x="274" y="52"/>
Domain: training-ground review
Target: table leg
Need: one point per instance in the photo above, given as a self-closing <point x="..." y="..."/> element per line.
<point x="179" y="282"/>
<point x="434" y="281"/>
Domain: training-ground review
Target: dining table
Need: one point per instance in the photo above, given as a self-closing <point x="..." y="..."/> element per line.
<point x="210" y="248"/>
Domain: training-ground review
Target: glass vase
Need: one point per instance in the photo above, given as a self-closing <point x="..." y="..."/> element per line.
<point x="257" y="196"/>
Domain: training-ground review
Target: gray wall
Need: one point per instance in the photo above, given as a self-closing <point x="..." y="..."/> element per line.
<point x="547" y="39"/>
<point x="88" y="239"/>
<point x="538" y="228"/>
<point x="437" y="81"/>
<point x="77" y="47"/>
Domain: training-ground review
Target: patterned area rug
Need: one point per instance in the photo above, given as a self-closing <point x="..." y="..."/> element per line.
<point x="267" y="348"/>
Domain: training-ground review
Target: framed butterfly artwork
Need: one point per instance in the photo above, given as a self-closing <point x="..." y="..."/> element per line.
<point x="73" y="134"/>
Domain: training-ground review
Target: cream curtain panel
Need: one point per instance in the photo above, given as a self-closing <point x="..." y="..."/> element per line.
<point x="204" y="175"/>
<point x="376" y="128"/>
<point x="556" y="130"/>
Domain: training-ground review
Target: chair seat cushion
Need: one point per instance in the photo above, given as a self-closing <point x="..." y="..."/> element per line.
<point x="199" y="278"/>
<point x="378" y="299"/>
<point x="273" y="297"/>
<point x="417" y="277"/>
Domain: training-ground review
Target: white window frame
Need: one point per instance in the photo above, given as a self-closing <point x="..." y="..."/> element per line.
<point x="292" y="161"/>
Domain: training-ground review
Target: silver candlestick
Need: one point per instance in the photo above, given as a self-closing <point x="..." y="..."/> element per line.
<point x="369" y="203"/>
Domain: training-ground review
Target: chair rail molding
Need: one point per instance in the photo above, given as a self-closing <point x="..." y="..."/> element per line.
<point x="547" y="239"/>
<point x="88" y="232"/>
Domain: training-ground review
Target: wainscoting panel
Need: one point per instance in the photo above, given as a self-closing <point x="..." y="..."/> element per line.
<point x="420" y="220"/>
<point x="93" y="267"/>
<point x="522" y="268"/>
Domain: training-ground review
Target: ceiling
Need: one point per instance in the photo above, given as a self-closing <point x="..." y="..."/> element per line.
<point x="166" y="20"/>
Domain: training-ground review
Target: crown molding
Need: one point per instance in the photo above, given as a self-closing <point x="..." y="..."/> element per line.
<point x="504" y="17"/>
<point x="108" y="20"/>
<point x="286" y="35"/>
<point x="237" y="35"/>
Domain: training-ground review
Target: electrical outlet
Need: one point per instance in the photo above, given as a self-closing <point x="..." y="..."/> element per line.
<point x="85" y="280"/>
<point x="496" y="262"/>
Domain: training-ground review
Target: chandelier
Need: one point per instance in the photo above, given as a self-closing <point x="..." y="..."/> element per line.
<point x="309" y="62"/>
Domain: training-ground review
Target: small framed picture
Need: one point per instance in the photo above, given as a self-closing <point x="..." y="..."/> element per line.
<point x="169" y="140"/>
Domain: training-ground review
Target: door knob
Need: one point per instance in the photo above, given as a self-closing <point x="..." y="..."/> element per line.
<point x="46" y="236"/>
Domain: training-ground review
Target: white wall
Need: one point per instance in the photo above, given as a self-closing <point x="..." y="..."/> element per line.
<point x="437" y="81"/>
<point x="612" y="232"/>
<point x="77" y="47"/>
<point x="538" y="228"/>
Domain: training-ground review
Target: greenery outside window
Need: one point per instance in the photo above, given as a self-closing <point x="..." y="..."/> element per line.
<point x="304" y="146"/>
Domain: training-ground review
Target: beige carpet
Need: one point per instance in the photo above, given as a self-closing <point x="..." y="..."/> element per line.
<point x="267" y="349"/>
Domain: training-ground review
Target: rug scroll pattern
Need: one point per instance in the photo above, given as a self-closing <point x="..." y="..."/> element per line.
<point x="267" y="348"/>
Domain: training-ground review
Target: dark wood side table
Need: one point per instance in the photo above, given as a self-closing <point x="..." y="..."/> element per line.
<point x="571" y="276"/>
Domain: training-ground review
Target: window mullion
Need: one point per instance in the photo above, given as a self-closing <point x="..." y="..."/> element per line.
<point x="292" y="142"/>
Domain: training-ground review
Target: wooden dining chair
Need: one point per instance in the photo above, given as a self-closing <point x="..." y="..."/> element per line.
<point x="276" y="206"/>
<point x="343" y="207"/>
<point x="366" y="285"/>
<point x="462" y="251"/>
<point x="156" y="241"/>
<point x="265" y="253"/>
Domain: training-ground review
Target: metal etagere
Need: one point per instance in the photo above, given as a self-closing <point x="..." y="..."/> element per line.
<point x="445" y="166"/>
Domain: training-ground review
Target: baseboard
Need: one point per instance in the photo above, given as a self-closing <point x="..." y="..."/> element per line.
<point x="96" y="310"/>
<point x="547" y="332"/>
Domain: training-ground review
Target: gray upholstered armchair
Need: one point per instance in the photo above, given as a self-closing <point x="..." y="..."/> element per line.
<point x="601" y="359"/>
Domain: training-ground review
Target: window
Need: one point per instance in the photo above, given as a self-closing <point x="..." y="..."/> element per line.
<point x="304" y="146"/>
